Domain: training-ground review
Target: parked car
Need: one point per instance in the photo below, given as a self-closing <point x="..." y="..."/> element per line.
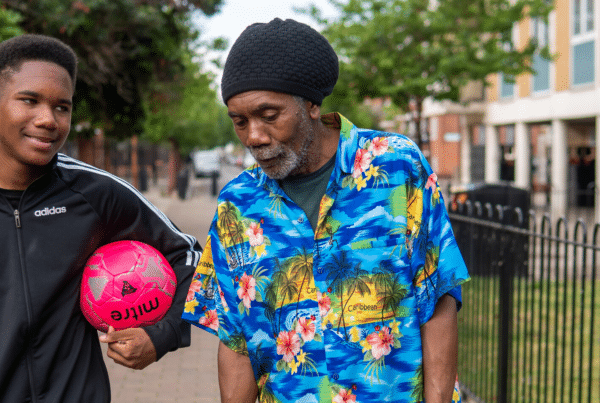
<point x="206" y="164"/>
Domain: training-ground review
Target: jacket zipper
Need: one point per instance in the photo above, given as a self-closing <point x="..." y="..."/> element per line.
<point x="29" y="354"/>
<point x="17" y="219"/>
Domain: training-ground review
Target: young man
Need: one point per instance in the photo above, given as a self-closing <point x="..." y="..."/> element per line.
<point x="54" y="212"/>
<point x="331" y="272"/>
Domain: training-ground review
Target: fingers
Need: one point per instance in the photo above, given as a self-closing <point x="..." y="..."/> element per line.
<point x="118" y="336"/>
<point x="131" y="348"/>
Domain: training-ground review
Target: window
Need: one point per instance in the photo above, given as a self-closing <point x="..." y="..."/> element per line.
<point x="541" y="65"/>
<point x="507" y="89"/>
<point x="583" y="42"/>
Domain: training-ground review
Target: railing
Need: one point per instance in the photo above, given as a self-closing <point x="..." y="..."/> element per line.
<point x="529" y="329"/>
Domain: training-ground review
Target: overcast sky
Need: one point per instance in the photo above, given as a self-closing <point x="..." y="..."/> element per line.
<point x="236" y="15"/>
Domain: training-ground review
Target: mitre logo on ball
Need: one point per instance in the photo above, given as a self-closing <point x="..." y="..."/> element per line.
<point x="126" y="284"/>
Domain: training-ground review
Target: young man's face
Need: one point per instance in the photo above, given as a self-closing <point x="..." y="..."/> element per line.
<point x="277" y="129"/>
<point x="35" y="114"/>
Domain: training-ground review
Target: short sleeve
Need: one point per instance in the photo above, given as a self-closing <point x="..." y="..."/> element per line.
<point x="438" y="264"/>
<point x="206" y="304"/>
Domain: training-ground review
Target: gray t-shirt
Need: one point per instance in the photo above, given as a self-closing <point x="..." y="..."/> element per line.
<point x="308" y="190"/>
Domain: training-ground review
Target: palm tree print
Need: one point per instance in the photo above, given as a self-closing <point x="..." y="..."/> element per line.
<point x="265" y="391"/>
<point x="355" y="281"/>
<point x="275" y="204"/>
<point x="261" y="361"/>
<point x="337" y="273"/>
<point x="283" y="286"/>
<point x="230" y="229"/>
<point x="390" y="290"/>
<point x="237" y="343"/>
<point x="301" y="266"/>
<point x="417" y="382"/>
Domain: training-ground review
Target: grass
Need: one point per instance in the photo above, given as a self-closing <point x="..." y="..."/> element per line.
<point x="555" y="340"/>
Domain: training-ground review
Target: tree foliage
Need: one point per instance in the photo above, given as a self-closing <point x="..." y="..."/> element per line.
<point x="409" y="50"/>
<point x="189" y="113"/>
<point x="9" y="24"/>
<point x="129" y="51"/>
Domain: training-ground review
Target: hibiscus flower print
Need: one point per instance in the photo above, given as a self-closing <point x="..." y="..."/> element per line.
<point x="378" y="146"/>
<point x="306" y="328"/>
<point x="247" y="290"/>
<point x="222" y="295"/>
<point x="210" y="320"/>
<point x="344" y="396"/>
<point x="288" y="345"/>
<point x="362" y="161"/>
<point x="381" y="342"/>
<point x="431" y="182"/>
<point x="195" y="287"/>
<point x="324" y="303"/>
<point x="255" y="234"/>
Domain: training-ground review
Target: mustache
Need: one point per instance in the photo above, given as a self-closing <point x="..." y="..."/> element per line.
<point x="260" y="153"/>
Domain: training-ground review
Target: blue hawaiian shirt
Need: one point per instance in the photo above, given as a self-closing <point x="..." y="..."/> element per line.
<point x="331" y="315"/>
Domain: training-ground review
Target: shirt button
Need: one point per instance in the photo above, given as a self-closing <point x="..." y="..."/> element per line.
<point x="300" y="220"/>
<point x="335" y="377"/>
<point x="320" y="270"/>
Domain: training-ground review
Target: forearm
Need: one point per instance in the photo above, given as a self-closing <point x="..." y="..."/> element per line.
<point x="172" y="332"/>
<point x="236" y="377"/>
<point x="439" y="337"/>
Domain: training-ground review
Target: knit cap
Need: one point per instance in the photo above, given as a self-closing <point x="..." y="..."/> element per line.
<point x="281" y="56"/>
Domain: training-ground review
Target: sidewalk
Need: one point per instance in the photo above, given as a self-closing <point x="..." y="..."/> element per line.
<point x="187" y="375"/>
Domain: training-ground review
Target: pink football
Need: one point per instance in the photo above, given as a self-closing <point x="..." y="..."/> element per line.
<point x="126" y="284"/>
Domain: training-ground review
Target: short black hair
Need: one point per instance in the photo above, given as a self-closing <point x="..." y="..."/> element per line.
<point x="23" y="48"/>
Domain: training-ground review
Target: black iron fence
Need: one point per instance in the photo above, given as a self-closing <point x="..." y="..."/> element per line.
<point x="529" y="330"/>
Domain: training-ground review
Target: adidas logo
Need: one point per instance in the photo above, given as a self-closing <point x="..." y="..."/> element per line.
<point x="50" y="211"/>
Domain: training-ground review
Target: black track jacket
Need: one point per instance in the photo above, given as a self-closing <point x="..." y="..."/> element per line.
<point x="49" y="353"/>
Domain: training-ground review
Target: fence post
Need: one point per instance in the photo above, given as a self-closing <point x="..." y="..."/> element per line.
<point x="507" y="268"/>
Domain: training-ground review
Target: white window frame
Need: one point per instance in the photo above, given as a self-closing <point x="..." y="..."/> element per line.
<point x="515" y="88"/>
<point x="544" y="38"/>
<point x="582" y="37"/>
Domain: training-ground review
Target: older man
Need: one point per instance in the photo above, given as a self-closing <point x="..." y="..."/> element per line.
<point x="330" y="272"/>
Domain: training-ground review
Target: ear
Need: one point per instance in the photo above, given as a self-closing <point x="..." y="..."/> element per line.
<point x="314" y="110"/>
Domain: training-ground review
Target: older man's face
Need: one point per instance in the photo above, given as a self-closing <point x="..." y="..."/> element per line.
<point x="277" y="129"/>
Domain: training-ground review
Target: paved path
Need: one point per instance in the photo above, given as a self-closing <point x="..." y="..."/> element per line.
<point x="189" y="374"/>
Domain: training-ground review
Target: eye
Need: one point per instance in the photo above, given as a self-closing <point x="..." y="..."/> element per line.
<point x="239" y="123"/>
<point x="29" y="101"/>
<point x="270" y="117"/>
<point x="63" y="108"/>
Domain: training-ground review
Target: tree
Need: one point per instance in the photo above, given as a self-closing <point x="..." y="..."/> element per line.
<point x="9" y="24"/>
<point x="126" y="49"/>
<point x="409" y="50"/>
<point x="188" y="111"/>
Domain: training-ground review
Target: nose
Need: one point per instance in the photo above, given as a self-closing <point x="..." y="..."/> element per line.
<point x="45" y="118"/>
<point x="256" y="135"/>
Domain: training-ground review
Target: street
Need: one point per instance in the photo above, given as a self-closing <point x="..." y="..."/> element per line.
<point x="189" y="374"/>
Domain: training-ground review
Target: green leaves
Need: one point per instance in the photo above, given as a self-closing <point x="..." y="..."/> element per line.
<point x="9" y="24"/>
<point x="137" y="62"/>
<point x="407" y="50"/>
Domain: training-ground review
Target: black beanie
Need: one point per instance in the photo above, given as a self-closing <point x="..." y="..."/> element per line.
<point x="281" y="56"/>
